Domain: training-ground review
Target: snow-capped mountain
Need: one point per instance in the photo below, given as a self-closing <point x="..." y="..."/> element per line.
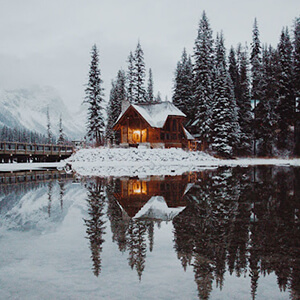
<point x="28" y="108"/>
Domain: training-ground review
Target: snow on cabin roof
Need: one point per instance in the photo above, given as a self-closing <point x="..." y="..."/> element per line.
<point x="156" y="114"/>
<point x="188" y="135"/>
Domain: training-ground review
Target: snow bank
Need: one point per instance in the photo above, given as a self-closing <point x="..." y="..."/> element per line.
<point x="142" y="162"/>
<point x="133" y="162"/>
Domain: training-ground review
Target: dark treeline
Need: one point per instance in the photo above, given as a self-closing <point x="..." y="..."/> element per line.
<point x="22" y="135"/>
<point x="245" y="102"/>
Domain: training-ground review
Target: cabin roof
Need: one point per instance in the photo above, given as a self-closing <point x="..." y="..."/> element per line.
<point x="188" y="135"/>
<point x="155" y="114"/>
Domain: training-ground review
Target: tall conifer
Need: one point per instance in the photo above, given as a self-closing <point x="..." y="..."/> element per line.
<point x="150" y="95"/>
<point x="183" y="87"/>
<point x="117" y="95"/>
<point x="94" y="98"/>
<point x="203" y="65"/>
<point x="139" y="91"/>
<point x="224" y="123"/>
<point x="286" y="105"/>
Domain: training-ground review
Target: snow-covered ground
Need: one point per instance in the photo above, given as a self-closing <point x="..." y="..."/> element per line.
<point x="29" y="166"/>
<point x="140" y="162"/>
<point x="137" y="162"/>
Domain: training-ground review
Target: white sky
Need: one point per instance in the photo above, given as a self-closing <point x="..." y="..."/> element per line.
<point x="49" y="42"/>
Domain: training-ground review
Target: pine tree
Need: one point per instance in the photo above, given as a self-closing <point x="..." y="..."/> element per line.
<point x="183" y="88"/>
<point x="256" y="70"/>
<point x="266" y="118"/>
<point x="117" y="95"/>
<point x="256" y="63"/>
<point x="130" y="77"/>
<point x="296" y="59"/>
<point x="202" y="100"/>
<point x="94" y="98"/>
<point x="286" y="104"/>
<point x="49" y="132"/>
<point x="139" y="92"/>
<point x="61" y="137"/>
<point x="296" y="76"/>
<point x="150" y="95"/>
<point x="225" y="127"/>
<point x="243" y="100"/>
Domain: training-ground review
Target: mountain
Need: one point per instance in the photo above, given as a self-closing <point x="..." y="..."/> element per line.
<point x="27" y="108"/>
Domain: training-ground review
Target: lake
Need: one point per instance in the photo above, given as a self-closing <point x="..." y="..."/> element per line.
<point x="223" y="233"/>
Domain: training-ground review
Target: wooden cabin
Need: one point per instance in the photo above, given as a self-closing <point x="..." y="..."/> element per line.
<point x="157" y="125"/>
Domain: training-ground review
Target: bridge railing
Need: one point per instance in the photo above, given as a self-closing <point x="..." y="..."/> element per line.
<point x="35" y="149"/>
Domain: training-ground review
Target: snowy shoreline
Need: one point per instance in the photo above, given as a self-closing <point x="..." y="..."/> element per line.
<point x="142" y="162"/>
<point x="139" y="162"/>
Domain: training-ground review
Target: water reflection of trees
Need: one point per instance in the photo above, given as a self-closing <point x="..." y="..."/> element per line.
<point x="95" y="228"/>
<point x="245" y="219"/>
<point x="130" y="234"/>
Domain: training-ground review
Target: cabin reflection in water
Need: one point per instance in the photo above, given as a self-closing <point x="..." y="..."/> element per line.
<point x="155" y="197"/>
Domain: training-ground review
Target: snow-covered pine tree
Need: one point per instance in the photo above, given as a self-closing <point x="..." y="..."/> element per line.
<point x="286" y="102"/>
<point x="266" y="118"/>
<point x="117" y="95"/>
<point x="203" y="66"/>
<point x="139" y="91"/>
<point x="224" y="122"/>
<point x="183" y="87"/>
<point x="94" y="98"/>
<point x="296" y="59"/>
<point x="130" y="77"/>
<point x="61" y="136"/>
<point x="296" y="76"/>
<point x="233" y="69"/>
<point x="150" y="96"/>
<point x="256" y="70"/>
<point x="49" y="131"/>
<point x="243" y="100"/>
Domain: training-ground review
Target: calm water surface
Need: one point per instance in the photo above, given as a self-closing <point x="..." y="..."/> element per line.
<point x="228" y="233"/>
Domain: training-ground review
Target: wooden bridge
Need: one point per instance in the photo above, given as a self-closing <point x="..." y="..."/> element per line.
<point x="25" y="152"/>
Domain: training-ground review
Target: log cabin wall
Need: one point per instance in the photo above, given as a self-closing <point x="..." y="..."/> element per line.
<point x="172" y="133"/>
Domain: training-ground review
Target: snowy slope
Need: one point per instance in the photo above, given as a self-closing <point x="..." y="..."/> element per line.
<point x="27" y="108"/>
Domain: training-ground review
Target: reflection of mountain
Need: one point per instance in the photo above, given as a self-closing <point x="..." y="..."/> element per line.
<point x="33" y="200"/>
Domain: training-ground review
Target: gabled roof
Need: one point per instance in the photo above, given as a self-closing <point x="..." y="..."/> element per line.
<point x="155" y="114"/>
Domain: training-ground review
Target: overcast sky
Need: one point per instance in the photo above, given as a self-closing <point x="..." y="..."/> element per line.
<point x="49" y="42"/>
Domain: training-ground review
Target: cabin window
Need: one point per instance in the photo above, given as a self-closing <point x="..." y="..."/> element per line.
<point x="167" y="136"/>
<point x="168" y="125"/>
<point x="174" y="127"/>
<point x="162" y="136"/>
